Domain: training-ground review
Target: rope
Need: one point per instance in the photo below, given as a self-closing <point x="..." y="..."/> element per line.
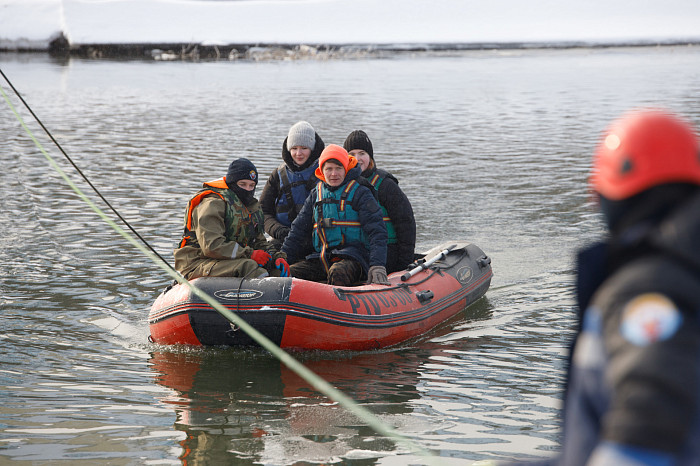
<point x="76" y="167"/>
<point x="314" y="380"/>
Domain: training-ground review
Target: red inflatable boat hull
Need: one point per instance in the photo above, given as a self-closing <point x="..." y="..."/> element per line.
<point x="299" y="314"/>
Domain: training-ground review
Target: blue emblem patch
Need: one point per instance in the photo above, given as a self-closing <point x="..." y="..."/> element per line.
<point x="649" y="318"/>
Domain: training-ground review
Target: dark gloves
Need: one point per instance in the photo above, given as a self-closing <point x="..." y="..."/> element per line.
<point x="282" y="266"/>
<point x="377" y="274"/>
<point x="281" y="233"/>
<point x="261" y="257"/>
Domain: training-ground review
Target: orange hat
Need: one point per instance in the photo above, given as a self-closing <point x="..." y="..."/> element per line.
<point x="644" y="149"/>
<point x="335" y="152"/>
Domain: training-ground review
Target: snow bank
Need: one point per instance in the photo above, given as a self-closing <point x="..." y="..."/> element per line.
<point x="29" y="24"/>
<point x="34" y="23"/>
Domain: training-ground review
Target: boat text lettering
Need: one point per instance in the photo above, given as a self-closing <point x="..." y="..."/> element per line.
<point x="373" y="303"/>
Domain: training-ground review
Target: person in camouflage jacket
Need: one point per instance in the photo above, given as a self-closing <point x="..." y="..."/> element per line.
<point x="223" y="234"/>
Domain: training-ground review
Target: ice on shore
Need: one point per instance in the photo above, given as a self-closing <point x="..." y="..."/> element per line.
<point x="32" y="24"/>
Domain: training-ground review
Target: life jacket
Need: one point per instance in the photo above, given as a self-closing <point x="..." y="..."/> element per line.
<point x="241" y="225"/>
<point x="375" y="180"/>
<point x="336" y="222"/>
<point x="294" y="189"/>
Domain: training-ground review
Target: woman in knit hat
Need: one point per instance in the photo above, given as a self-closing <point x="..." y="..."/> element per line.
<point x="397" y="210"/>
<point x="223" y="234"/>
<point x="290" y="183"/>
<point x="345" y="222"/>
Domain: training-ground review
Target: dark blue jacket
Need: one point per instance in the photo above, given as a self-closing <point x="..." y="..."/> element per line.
<point x="371" y="219"/>
<point x="633" y="391"/>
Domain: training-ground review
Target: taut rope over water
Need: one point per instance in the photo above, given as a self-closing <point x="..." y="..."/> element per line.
<point x="48" y="133"/>
<point x="314" y="380"/>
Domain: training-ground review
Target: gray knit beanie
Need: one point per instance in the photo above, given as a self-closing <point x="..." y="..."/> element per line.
<point x="301" y="134"/>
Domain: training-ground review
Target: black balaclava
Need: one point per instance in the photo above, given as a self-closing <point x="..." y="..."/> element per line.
<point x="242" y="169"/>
<point x="649" y="206"/>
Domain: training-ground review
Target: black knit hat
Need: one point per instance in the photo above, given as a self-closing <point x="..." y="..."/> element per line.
<point x="358" y="139"/>
<point x="241" y="169"/>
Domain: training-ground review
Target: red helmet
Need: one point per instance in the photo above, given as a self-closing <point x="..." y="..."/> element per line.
<point x="644" y="149"/>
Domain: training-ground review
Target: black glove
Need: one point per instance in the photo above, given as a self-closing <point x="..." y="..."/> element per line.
<point x="281" y="233"/>
<point x="377" y="274"/>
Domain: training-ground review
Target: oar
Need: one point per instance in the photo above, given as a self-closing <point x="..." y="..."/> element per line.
<point x="427" y="264"/>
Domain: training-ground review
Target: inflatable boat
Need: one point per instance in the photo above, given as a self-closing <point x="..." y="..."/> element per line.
<point x="303" y="315"/>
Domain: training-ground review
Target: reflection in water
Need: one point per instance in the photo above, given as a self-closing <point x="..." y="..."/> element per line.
<point x="244" y="406"/>
<point x="219" y="401"/>
<point x="247" y="406"/>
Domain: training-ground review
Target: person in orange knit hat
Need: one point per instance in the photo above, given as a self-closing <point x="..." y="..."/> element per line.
<point x="343" y="217"/>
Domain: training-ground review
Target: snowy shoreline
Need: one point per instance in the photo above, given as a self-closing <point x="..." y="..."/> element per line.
<point x="264" y="52"/>
<point x="205" y="29"/>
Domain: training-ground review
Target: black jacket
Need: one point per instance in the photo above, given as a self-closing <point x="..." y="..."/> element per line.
<point x="400" y="211"/>
<point x="271" y="193"/>
<point x="629" y="386"/>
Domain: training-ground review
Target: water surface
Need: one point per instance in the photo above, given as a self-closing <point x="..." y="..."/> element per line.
<point x="492" y="147"/>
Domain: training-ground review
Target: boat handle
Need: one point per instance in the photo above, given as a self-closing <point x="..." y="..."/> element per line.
<point x="483" y="261"/>
<point x="427" y="264"/>
<point x="424" y="296"/>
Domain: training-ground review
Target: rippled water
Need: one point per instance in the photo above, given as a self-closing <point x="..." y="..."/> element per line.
<point x="491" y="147"/>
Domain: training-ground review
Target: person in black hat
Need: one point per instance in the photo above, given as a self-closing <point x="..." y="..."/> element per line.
<point x="397" y="209"/>
<point x="223" y="234"/>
